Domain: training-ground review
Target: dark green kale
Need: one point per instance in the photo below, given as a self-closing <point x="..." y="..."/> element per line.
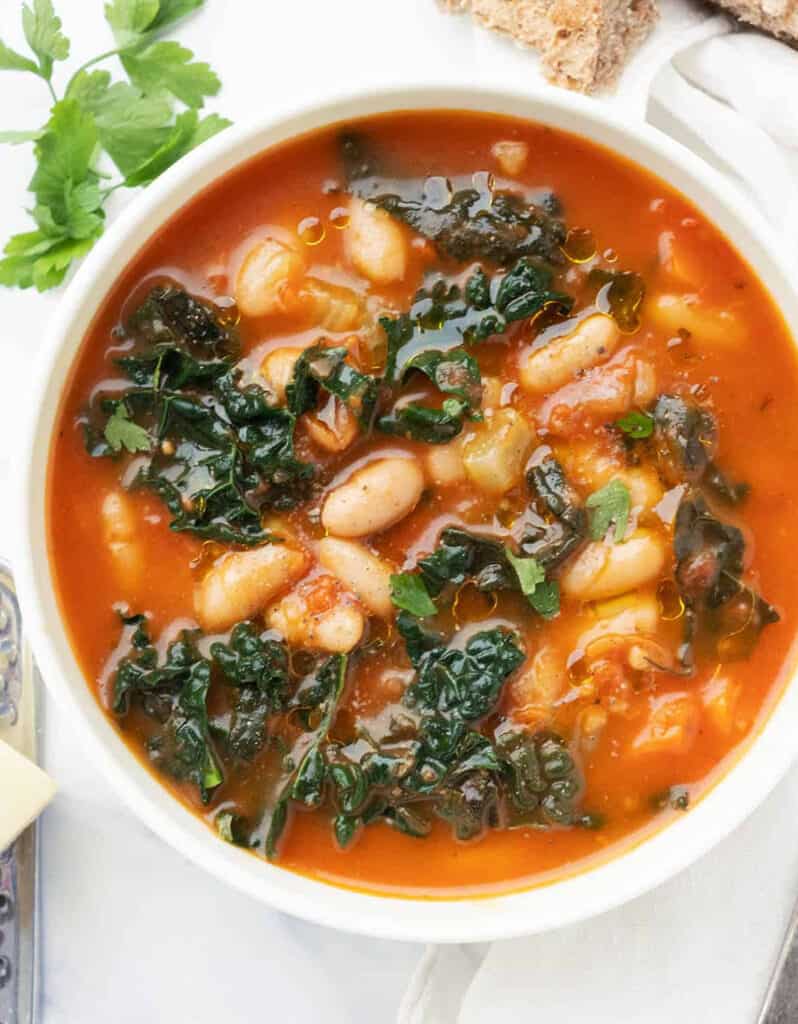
<point x="465" y="682"/>
<point x="445" y="314"/>
<point x="258" y="668"/>
<point x="447" y="768"/>
<point x="219" y="454"/>
<point x="169" y="316"/>
<point x="319" y="695"/>
<point x="175" y="695"/>
<point x="464" y="224"/>
<point x="709" y="570"/>
<point x="556" y="523"/>
<point x="183" y="747"/>
<point x="327" y="368"/>
<point x="685" y="440"/>
<point x="427" y="339"/>
<point x="460" y="556"/>
<point x="621" y="294"/>
<point x="542" y="778"/>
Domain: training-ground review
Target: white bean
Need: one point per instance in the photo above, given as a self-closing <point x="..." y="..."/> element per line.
<point x="119" y="534"/>
<point x="632" y="615"/>
<point x="592" y="341"/>
<point x="241" y="583"/>
<point x="706" y="324"/>
<point x="277" y="369"/>
<point x="336" y="629"/>
<point x="541" y="682"/>
<point x="511" y="155"/>
<point x="373" y="498"/>
<point x="645" y="387"/>
<point x="672" y="726"/>
<point x="444" y="463"/>
<point x="375" y="243"/>
<point x="267" y="279"/>
<point x="605" y="570"/>
<point x="366" y="575"/>
<point x="332" y="306"/>
<point x="495" y="455"/>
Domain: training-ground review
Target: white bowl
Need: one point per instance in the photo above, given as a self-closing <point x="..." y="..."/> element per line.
<point x="632" y="872"/>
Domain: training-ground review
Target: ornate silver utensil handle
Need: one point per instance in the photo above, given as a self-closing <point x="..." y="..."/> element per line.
<point x="18" y="864"/>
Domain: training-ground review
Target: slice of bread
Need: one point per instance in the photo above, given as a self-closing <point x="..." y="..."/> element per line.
<point x="778" y="17"/>
<point x="583" y="44"/>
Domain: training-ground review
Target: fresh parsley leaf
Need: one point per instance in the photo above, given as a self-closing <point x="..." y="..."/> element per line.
<point x="131" y="126"/>
<point x="186" y="133"/>
<point x="409" y="594"/>
<point x="610" y="504"/>
<point x="636" y="424"/>
<point x="10" y="60"/>
<point x="130" y="19"/>
<point x="168" y="66"/>
<point x="121" y="432"/>
<point x="542" y="594"/>
<point x="545" y="599"/>
<point x="529" y="571"/>
<point x="170" y="11"/>
<point x="133" y="21"/>
<point x="42" y="29"/>
<point x="64" y="155"/>
<point x="33" y="259"/>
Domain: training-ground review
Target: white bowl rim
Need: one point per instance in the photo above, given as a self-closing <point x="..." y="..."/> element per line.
<point x="468" y="919"/>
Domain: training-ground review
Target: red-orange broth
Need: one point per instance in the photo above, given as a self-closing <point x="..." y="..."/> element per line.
<point x="646" y="735"/>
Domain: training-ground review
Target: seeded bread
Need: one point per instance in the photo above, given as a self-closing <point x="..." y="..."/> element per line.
<point x="778" y="17"/>
<point x="583" y="44"/>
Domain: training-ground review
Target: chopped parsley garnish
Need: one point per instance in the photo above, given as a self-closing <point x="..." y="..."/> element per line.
<point x="607" y="506"/>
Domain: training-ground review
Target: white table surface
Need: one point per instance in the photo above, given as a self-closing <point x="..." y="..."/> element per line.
<point x="132" y="932"/>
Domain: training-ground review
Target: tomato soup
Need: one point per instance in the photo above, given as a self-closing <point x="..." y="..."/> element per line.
<point x="419" y="504"/>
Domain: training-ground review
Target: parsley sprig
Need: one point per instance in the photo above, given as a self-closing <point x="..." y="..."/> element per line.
<point x="137" y="123"/>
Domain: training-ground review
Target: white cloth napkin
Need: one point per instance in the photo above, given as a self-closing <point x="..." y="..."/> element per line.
<point x="132" y="931"/>
<point x="702" y="946"/>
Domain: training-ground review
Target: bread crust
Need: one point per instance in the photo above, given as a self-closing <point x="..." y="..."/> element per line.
<point x="778" y="17"/>
<point x="583" y="44"/>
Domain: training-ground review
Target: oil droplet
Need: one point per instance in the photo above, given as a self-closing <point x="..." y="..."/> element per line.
<point x="579" y="245"/>
<point x="339" y="218"/>
<point x="229" y="314"/>
<point x="311" y="231"/>
<point x="472" y="605"/>
<point x="301" y="663"/>
<point x="610" y="255"/>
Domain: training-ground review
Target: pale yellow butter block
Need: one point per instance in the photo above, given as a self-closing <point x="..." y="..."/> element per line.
<point x="25" y="791"/>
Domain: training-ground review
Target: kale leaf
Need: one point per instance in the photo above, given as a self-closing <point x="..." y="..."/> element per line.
<point x="542" y="778"/>
<point x="258" y="668"/>
<point x="685" y="441"/>
<point x="556" y="524"/>
<point x="327" y="368"/>
<point x="175" y="694"/>
<point x="219" y="454"/>
<point x="464" y="224"/>
<point x="709" y="570"/>
<point x="320" y="694"/>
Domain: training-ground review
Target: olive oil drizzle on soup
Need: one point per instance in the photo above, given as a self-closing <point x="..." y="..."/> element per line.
<point x="432" y="476"/>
